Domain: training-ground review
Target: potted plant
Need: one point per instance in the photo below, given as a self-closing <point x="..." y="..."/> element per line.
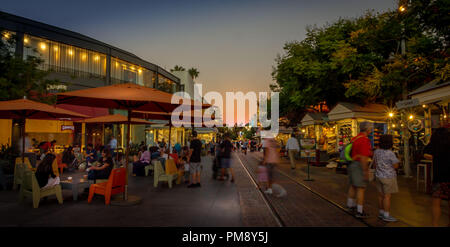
<point x="7" y="156"/>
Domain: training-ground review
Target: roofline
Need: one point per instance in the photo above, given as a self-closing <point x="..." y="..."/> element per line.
<point x="20" y="24"/>
<point x="429" y="89"/>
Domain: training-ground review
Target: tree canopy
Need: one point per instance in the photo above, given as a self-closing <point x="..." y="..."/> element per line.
<point x="360" y="60"/>
<point x="21" y="77"/>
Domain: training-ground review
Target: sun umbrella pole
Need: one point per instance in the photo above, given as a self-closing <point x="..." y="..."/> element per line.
<point x="23" y="140"/>
<point x="170" y="133"/>
<point x="128" y="151"/>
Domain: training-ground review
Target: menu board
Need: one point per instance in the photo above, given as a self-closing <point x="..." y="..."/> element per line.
<point x="308" y="148"/>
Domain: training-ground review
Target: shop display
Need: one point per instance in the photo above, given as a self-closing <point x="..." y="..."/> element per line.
<point x="345" y="135"/>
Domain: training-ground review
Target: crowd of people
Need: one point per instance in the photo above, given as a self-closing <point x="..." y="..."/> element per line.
<point x="188" y="159"/>
<point x="385" y="165"/>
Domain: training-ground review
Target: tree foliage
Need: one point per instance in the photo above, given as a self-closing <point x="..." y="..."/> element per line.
<point x="360" y="60"/>
<point x="22" y="77"/>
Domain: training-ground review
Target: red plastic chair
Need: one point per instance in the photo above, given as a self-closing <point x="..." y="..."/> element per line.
<point x="115" y="185"/>
<point x="61" y="165"/>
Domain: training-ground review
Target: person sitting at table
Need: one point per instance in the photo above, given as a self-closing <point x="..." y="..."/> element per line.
<point x="68" y="157"/>
<point x="103" y="170"/>
<point x="91" y="154"/>
<point x="144" y="160"/>
<point x="44" y="172"/>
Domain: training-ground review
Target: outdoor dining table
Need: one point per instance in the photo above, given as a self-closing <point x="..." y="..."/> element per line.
<point x="75" y="185"/>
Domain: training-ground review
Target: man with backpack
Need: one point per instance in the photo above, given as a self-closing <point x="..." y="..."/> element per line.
<point x="358" y="170"/>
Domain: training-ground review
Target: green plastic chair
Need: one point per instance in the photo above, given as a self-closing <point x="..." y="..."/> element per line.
<point x="148" y="169"/>
<point x="19" y="170"/>
<point x="160" y="175"/>
<point x="31" y="187"/>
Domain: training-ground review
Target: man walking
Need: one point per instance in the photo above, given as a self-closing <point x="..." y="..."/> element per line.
<point x="358" y="170"/>
<point x="195" y="165"/>
<point x="292" y="147"/>
<point x="226" y="148"/>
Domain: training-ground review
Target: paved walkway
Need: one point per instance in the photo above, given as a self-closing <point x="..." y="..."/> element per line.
<point x="214" y="204"/>
<point x="411" y="207"/>
<point x="301" y="207"/>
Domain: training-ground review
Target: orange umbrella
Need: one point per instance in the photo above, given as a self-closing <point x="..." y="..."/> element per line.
<point x="126" y="96"/>
<point x="24" y="108"/>
<point x="116" y="118"/>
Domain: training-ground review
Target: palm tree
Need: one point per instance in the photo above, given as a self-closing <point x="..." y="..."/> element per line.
<point x="193" y="72"/>
<point x="177" y="68"/>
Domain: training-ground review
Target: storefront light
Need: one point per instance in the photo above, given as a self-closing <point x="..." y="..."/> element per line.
<point x="424" y="106"/>
<point x="391" y="114"/>
<point x="70" y="52"/>
<point x="55" y="48"/>
<point x="43" y="46"/>
<point x="140" y="71"/>
<point x="411" y="117"/>
<point x="25" y="40"/>
<point x="83" y="57"/>
<point x="6" y="35"/>
<point x="96" y="58"/>
<point x="393" y="126"/>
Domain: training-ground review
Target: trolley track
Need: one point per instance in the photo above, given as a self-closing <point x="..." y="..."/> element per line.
<point x="304" y="186"/>
<point x="272" y="210"/>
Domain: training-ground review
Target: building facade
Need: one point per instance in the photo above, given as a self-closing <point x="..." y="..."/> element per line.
<point x="81" y="62"/>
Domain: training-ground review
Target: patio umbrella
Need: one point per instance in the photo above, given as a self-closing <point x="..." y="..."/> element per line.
<point x="24" y="108"/>
<point x="115" y="118"/>
<point x="126" y="96"/>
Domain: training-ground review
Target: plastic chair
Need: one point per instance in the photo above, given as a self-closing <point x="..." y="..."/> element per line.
<point x="149" y="168"/>
<point x="115" y="185"/>
<point x="160" y="175"/>
<point x="19" y="170"/>
<point x="31" y="187"/>
<point x="26" y="161"/>
<point x="61" y="165"/>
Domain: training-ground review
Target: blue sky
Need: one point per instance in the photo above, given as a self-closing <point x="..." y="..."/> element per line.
<point x="232" y="43"/>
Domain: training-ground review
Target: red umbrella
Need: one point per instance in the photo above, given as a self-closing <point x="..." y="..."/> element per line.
<point x="24" y="108"/>
<point x="126" y="96"/>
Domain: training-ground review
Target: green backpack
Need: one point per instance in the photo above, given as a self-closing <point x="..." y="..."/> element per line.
<point x="346" y="153"/>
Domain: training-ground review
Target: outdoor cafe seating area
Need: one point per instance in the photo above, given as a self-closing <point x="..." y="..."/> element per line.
<point x="74" y="178"/>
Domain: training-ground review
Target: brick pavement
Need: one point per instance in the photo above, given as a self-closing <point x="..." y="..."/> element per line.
<point x="411" y="207"/>
<point x="301" y="207"/>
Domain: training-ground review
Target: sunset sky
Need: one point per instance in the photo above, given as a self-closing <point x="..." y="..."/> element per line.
<point x="232" y="43"/>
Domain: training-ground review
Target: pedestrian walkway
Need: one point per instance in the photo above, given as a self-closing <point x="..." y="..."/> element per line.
<point x="213" y="204"/>
<point x="410" y="207"/>
<point x="301" y="207"/>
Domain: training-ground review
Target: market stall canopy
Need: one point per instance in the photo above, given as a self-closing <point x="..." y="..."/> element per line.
<point x="24" y="108"/>
<point x="435" y="91"/>
<point x="116" y="118"/>
<point x="126" y="96"/>
<point x="314" y="118"/>
<point x="344" y="110"/>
